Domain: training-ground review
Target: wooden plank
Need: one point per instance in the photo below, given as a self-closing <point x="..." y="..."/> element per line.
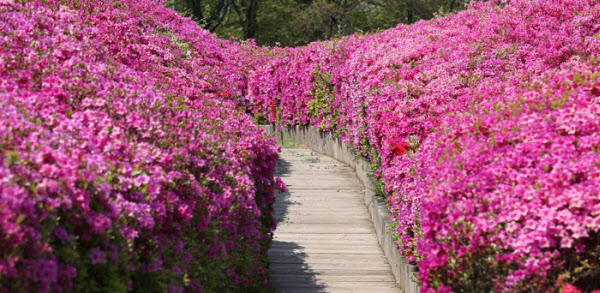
<point x="382" y="267"/>
<point x="357" y="272"/>
<point x="348" y="207"/>
<point x="323" y="213"/>
<point x="313" y="209"/>
<point x="339" y="289"/>
<point x="309" y="175"/>
<point x="348" y="284"/>
<point x="293" y="278"/>
<point x="308" y="197"/>
<point x="335" y="252"/>
<point x="370" y="241"/>
<point x="348" y="250"/>
<point x="324" y="245"/>
<point x="354" y="209"/>
<point x="353" y="227"/>
<point x="333" y="236"/>
<point x="324" y="230"/>
<point x="322" y="194"/>
<point x="322" y="220"/>
<point x="323" y="258"/>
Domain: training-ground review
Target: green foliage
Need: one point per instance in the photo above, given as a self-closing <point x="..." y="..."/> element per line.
<point x="287" y="143"/>
<point x="184" y="47"/>
<point x="583" y="269"/>
<point x="474" y="271"/>
<point x="321" y="104"/>
<point x="291" y="23"/>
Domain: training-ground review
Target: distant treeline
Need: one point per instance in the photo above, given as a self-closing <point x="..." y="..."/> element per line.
<point x="299" y="22"/>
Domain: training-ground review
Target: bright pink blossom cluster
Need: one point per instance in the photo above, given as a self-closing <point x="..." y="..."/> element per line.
<point x="486" y="125"/>
<point x="125" y="162"/>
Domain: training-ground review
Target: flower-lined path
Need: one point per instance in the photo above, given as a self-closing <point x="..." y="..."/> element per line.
<point x="325" y="241"/>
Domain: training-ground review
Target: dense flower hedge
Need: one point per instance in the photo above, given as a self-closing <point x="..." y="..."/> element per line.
<point x="128" y="161"/>
<point x="125" y="161"/>
<point x="486" y="127"/>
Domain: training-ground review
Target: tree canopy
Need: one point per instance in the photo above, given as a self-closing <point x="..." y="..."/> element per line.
<point x="299" y="22"/>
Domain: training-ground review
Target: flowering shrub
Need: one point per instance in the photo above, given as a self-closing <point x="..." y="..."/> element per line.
<point x="125" y="162"/>
<point x="486" y="125"/>
<point x="568" y="288"/>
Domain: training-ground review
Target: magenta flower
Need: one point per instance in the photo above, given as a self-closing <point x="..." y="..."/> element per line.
<point x="97" y="255"/>
<point x="46" y="271"/>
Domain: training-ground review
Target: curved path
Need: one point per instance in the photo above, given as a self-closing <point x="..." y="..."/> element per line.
<point x="325" y="241"/>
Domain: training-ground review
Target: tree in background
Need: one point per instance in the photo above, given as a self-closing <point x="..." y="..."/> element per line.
<point x="410" y="11"/>
<point x="299" y="22"/>
<point x="223" y="17"/>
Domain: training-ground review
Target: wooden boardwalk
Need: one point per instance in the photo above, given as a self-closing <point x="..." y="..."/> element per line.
<point x="325" y="241"/>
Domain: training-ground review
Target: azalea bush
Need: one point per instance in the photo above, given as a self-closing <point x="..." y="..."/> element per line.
<point x="486" y="128"/>
<point x="126" y="163"/>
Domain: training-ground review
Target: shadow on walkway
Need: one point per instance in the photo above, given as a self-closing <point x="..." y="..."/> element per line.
<point x="288" y="261"/>
<point x="282" y="199"/>
<point x="289" y="267"/>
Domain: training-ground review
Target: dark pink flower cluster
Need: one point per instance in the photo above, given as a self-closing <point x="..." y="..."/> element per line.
<point x="125" y="162"/>
<point x="486" y="125"/>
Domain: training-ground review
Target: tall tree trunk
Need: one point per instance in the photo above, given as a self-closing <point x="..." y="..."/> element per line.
<point x="246" y="10"/>
<point x="196" y="8"/>
<point x="251" y="19"/>
<point x="452" y="5"/>
<point x="410" y="14"/>
<point x="217" y="15"/>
